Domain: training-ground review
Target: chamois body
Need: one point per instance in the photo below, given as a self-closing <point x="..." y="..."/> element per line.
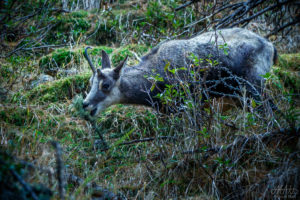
<point x="247" y="55"/>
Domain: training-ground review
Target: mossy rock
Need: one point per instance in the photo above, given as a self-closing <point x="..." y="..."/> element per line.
<point x="59" y="90"/>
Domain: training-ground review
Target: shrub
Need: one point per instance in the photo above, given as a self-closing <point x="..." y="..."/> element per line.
<point x="69" y="27"/>
<point x="59" y="59"/>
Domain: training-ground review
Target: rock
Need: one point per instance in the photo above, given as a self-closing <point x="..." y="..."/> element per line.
<point x="67" y="72"/>
<point x="43" y="78"/>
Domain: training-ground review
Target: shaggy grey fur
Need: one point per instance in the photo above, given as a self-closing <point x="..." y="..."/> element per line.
<point x="248" y="56"/>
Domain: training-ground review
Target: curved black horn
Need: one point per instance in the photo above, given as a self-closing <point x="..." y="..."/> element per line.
<point x="89" y="60"/>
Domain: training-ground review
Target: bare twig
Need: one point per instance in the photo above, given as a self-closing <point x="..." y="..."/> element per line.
<point x="296" y="21"/>
<point x="281" y="134"/>
<point x="59" y="169"/>
<point x="105" y="194"/>
<point x="185" y="5"/>
<point x="24" y="184"/>
<point x="241" y="13"/>
<point x="149" y="139"/>
<point x="36" y="40"/>
<point x="259" y="13"/>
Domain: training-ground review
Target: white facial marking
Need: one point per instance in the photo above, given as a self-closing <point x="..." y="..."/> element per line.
<point x="100" y="84"/>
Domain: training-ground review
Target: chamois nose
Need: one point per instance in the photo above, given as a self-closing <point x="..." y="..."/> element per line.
<point x="85" y="104"/>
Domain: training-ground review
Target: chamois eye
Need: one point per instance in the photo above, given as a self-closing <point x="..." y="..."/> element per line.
<point x="105" y="86"/>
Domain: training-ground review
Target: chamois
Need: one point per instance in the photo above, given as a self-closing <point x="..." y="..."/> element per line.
<point x="236" y="52"/>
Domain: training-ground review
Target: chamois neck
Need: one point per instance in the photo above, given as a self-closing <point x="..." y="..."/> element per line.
<point x="134" y="85"/>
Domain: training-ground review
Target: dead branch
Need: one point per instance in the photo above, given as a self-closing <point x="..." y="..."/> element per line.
<point x="24" y="184"/>
<point x="102" y="193"/>
<point x="281" y="135"/>
<point x="149" y="139"/>
<point x="186" y="4"/>
<point x="59" y="169"/>
<point x="259" y="13"/>
<point x="71" y="178"/>
<point x="241" y="13"/>
<point x="296" y="21"/>
<point x="35" y="41"/>
<point x="12" y="15"/>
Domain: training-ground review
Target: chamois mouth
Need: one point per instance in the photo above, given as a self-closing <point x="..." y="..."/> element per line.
<point x="93" y="112"/>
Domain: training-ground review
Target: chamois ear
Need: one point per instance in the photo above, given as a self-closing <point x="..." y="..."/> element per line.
<point x="105" y="60"/>
<point x="117" y="70"/>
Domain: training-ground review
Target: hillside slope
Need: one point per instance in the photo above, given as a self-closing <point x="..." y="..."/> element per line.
<point x="132" y="152"/>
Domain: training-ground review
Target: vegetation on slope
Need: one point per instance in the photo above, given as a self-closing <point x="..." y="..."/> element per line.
<point x="132" y="151"/>
<point x="288" y="69"/>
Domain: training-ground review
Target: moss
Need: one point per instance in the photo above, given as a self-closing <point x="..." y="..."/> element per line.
<point x="65" y="58"/>
<point x="137" y="120"/>
<point x="288" y="70"/>
<point x="290" y="79"/>
<point x="97" y="50"/>
<point x="80" y="14"/>
<point x="6" y="71"/>
<point x="59" y="90"/>
<point x="289" y="61"/>
<point x="117" y="55"/>
<point x="10" y="68"/>
<point x="139" y="49"/>
<point x="121" y="53"/>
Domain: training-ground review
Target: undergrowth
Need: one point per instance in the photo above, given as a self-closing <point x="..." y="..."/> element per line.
<point x="202" y="152"/>
<point x="239" y="153"/>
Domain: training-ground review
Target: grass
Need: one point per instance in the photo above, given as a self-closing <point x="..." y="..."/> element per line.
<point x="287" y="70"/>
<point x="211" y="154"/>
<point x="201" y="162"/>
<point x="232" y="154"/>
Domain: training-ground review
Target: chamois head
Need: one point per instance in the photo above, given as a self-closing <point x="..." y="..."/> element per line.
<point x="104" y="85"/>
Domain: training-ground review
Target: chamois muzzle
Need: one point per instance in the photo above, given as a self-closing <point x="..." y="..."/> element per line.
<point x="85" y="105"/>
